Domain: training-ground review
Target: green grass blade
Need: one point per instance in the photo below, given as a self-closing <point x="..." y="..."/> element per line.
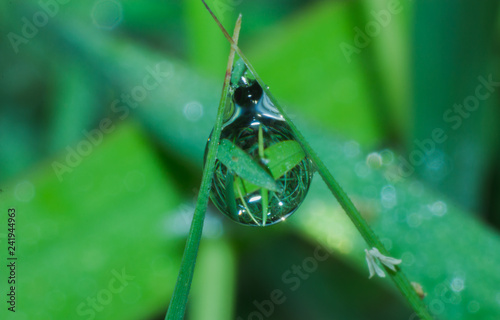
<point x="230" y="195"/>
<point x="283" y="157"/>
<point x="214" y="285"/>
<point x="179" y="299"/>
<point x="264" y="193"/>
<point x="244" y="166"/>
<point x="371" y="239"/>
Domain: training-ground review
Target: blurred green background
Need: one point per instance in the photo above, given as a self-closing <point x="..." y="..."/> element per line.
<point x="105" y="110"/>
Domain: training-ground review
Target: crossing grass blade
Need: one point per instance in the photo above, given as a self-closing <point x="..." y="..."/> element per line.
<point x="179" y="299"/>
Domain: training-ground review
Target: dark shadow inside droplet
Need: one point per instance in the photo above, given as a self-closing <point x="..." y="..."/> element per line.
<point x="246" y="96"/>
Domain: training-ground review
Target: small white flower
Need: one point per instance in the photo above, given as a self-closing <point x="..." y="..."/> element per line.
<point x="372" y="255"/>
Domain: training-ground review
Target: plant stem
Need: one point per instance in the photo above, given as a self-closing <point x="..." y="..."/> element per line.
<point x="263" y="191"/>
<point x="370" y="237"/>
<point x="179" y="299"/>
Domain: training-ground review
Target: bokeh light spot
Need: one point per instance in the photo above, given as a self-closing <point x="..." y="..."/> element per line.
<point x="107" y="14"/>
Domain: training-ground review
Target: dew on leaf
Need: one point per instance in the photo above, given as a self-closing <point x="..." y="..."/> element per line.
<point x="262" y="174"/>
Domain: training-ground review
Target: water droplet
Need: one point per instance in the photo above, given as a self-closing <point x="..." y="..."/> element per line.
<point x="262" y="174"/>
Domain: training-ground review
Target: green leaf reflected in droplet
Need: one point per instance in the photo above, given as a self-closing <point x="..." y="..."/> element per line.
<point x="244" y="166"/>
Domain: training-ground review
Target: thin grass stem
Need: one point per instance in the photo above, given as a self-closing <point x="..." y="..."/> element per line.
<point x="245" y="203"/>
<point x="180" y="295"/>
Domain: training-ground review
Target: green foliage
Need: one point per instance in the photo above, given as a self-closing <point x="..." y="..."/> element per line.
<point x="76" y="232"/>
<point x="107" y="216"/>
<point x="244" y="166"/>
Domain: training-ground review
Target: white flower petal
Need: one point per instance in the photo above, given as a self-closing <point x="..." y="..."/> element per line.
<point x="373" y="267"/>
<point x="370" y="262"/>
<point x="390" y="262"/>
<point x="379" y="271"/>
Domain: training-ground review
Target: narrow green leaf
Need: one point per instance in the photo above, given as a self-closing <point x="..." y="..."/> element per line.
<point x="179" y="299"/>
<point x="238" y="70"/>
<point x="281" y="158"/>
<point x="230" y="195"/>
<point x="244" y="166"/>
<point x="240" y="194"/>
<point x="265" y="202"/>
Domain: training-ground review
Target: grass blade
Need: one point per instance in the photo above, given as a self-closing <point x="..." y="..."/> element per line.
<point x="238" y="161"/>
<point x="179" y="299"/>
<point x="371" y="239"/>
